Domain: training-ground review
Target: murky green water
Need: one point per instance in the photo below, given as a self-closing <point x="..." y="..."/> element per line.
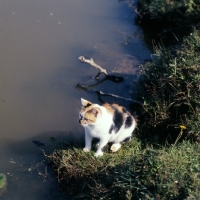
<point x="40" y="42"/>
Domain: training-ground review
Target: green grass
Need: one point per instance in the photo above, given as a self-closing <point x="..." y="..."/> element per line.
<point x="166" y="173"/>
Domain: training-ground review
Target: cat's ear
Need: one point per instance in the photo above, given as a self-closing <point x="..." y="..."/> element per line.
<point x="95" y="112"/>
<point x="85" y="103"/>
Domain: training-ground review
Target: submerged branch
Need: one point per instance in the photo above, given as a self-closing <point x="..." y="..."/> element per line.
<point x="115" y="79"/>
<point x="93" y="64"/>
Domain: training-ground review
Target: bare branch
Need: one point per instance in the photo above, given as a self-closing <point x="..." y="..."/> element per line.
<point x="93" y="64"/>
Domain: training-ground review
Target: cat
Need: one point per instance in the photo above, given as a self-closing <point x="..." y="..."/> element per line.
<point x="110" y="123"/>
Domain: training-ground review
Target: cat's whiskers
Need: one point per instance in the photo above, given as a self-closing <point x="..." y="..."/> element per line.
<point x="77" y="107"/>
<point x="78" y="110"/>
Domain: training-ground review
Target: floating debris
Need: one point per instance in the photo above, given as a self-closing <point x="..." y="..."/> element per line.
<point x="3" y="183"/>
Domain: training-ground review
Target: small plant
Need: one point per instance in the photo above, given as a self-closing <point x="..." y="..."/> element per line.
<point x="3" y="183"/>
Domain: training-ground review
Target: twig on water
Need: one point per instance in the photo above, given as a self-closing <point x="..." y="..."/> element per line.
<point x="93" y="64"/>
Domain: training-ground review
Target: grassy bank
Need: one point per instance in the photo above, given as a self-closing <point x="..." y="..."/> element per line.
<point x="162" y="159"/>
<point x="169" y="87"/>
<point x="134" y="172"/>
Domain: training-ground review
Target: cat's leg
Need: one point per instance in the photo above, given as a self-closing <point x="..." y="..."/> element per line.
<point x="120" y="140"/>
<point x="102" y="143"/>
<point x="88" y="142"/>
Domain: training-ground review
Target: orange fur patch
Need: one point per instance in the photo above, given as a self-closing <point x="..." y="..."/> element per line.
<point x="121" y="109"/>
<point x="108" y="108"/>
<point x="90" y="117"/>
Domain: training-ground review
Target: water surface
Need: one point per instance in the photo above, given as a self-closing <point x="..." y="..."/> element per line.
<point x="40" y="42"/>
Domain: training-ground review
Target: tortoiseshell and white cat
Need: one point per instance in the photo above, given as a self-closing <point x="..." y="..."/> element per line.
<point x="109" y="123"/>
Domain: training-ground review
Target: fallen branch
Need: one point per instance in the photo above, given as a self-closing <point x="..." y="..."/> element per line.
<point x="93" y="64"/>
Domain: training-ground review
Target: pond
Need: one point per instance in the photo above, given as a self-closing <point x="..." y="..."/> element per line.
<point x="40" y="42"/>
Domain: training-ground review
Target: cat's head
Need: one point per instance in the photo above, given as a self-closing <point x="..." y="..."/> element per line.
<point x="89" y="113"/>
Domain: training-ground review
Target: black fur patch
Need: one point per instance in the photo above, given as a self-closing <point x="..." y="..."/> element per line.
<point x="128" y="121"/>
<point x="111" y="128"/>
<point x="118" y="120"/>
<point x="126" y="140"/>
<point x="103" y="148"/>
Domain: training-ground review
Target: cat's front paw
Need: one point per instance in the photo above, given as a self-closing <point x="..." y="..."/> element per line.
<point x="115" y="147"/>
<point x="98" y="154"/>
<point x="86" y="150"/>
